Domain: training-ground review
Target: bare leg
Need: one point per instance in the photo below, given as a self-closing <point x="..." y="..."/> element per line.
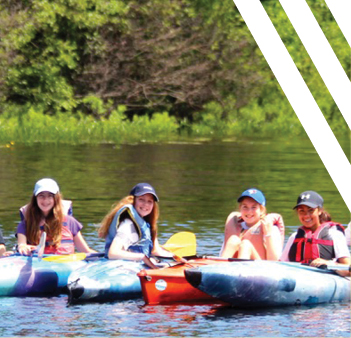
<point x="248" y="251"/>
<point x="231" y="247"/>
<point x="2" y="249"/>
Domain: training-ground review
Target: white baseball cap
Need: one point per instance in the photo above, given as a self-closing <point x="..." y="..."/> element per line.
<point x="46" y="184"/>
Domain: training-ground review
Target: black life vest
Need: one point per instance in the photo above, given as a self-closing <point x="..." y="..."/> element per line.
<point x="309" y="245"/>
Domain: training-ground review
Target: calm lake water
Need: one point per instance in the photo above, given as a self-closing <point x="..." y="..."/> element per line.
<point x="198" y="185"/>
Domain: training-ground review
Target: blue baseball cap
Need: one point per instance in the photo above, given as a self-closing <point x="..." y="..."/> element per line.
<point x="255" y="194"/>
<point x="142" y="189"/>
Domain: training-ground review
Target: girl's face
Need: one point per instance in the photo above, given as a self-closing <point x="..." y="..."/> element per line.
<point x="309" y="217"/>
<point x="45" y="202"/>
<point x="250" y="211"/>
<point x="144" y="204"/>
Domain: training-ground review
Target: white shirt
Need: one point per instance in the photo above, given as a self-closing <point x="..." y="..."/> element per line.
<point x="339" y="243"/>
<point x="127" y="233"/>
<point x="348" y="234"/>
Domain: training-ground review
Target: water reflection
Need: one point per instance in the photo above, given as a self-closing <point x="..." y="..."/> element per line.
<point x="197" y="186"/>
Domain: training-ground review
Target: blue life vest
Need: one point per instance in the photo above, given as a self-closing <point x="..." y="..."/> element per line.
<point x="144" y="245"/>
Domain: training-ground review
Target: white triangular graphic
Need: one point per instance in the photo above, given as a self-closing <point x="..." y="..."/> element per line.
<point x="298" y="94"/>
<point x="341" y="10"/>
<point x="321" y="53"/>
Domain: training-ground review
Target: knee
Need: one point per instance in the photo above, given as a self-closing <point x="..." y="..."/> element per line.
<point x="233" y="241"/>
<point x="246" y="244"/>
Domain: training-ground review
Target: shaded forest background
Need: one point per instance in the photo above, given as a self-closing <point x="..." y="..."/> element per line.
<point x="186" y="63"/>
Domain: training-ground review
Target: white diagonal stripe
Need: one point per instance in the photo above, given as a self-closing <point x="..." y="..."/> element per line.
<point x="298" y="95"/>
<point x="321" y="53"/>
<point x="341" y="10"/>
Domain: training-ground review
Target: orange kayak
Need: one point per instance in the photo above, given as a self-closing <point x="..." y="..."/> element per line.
<point x="168" y="285"/>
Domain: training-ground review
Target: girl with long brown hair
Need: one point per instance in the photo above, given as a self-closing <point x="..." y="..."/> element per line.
<point x="45" y="213"/>
<point x="130" y="228"/>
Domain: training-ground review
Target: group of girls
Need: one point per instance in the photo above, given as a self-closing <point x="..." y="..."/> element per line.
<point x="130" y="229"/>
<point x="251" y="233"/>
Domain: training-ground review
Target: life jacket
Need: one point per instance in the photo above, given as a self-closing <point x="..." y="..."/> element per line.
<point x="66" y="208"/>
<point x="67" y="242"/>
<point x="309" y="245"/>
<point x="144" y="244"/>
<point x="255" y="235"/>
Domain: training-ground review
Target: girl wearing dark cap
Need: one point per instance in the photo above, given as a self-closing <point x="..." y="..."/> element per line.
<point x="130" y="228"/>
<point x="318" y="241"/>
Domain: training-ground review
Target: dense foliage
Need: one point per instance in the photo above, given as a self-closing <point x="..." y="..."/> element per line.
<point x="193" y="60"/>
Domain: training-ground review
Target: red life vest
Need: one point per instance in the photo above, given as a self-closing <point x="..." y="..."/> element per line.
<point x="67" y="243"/>
<point x="309" y="245"/>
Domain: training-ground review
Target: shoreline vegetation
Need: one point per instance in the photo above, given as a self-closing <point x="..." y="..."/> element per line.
<point x="92" y="71"/>
<point x="77" y="129"/>
<point x="32" y="128"/>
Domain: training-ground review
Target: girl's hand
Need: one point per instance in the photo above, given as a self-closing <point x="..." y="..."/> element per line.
<point x="25" y="249"/>
<point x="267" y="227"/>
<point x="149" y="262"/>
<point x="179" y="259"/>
<point x="319" y="261"/>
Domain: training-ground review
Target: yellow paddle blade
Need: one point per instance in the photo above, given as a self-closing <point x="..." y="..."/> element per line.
<point x="66" y="258"/>
<point x="182" y="244"/>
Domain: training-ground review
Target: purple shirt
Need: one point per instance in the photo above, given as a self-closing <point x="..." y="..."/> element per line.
<point x="72" y="224"/>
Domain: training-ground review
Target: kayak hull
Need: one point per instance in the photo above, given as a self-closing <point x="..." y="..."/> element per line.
<point x="23" y="276"/>
<point x="168" y="285"/>
<point x="253" y="284"/>
<point x="105" y="281"/>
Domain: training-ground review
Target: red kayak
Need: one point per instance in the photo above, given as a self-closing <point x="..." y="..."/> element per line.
<point x="168" y="285"/>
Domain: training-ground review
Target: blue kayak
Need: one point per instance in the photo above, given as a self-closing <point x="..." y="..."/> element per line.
<point x="252" y="284"/>
<point x="105" y="281"/>
<point x="29" y="276"/>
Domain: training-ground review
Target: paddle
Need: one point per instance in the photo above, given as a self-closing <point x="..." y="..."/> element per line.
<point x="181" y="244"/>
<point x="41" y="247"/>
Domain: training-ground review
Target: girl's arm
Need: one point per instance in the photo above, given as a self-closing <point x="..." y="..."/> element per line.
<point x="117" y="251"/>
<point x="80" y="243"/>
<point x="271" y="239"/>
<point x="22" y="247"/>
<point x="2" y="249"/>
<point x="273" y="244"/>
<point x="158" y="250"/>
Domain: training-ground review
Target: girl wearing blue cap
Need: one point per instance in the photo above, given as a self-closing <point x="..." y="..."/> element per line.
<point x="130" y="228"/>
<point x="251" y="233"/>
<point x="318" y="241"/>
<point x="45" y="212"/>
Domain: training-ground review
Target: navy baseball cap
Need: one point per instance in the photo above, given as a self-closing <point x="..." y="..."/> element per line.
<point x="142" y="189"/>
<point x="311" y="199"/>
<point x="255" y="194"/>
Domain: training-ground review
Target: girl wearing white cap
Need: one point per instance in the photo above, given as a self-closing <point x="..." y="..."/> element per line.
<point x="318" y="241"/>
<point x="130" y="228"/>
<point x="45" y="213"/>
<point x="250" y="233"/>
